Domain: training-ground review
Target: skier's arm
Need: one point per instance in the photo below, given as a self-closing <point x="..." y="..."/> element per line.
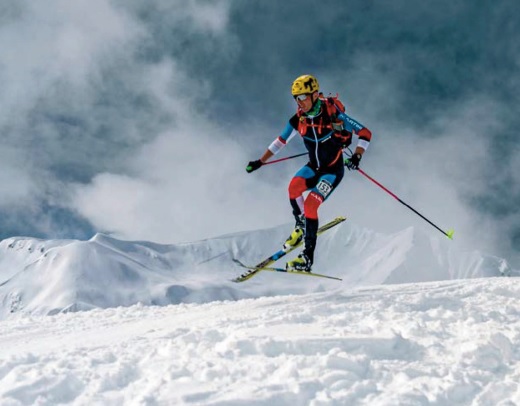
<point x="287" y="134"/>
<point x="364" y="137"/>
<point x="363" y="133"/>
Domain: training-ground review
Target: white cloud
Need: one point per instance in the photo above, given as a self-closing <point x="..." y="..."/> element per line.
<point x="189" y="183"/>
<point x="186" y="183"/>
<point x="46" y="48"/>
<point x="61" y="41"/>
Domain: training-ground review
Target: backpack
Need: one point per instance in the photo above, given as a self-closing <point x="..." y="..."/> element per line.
<point x="333" y="106"/>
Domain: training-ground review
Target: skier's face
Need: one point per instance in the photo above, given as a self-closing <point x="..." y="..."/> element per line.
<point x="305" y="101"/>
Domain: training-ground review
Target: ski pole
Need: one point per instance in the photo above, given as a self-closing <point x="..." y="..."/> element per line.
<point x="284" y="159"/>
<point x="448" y="233"/>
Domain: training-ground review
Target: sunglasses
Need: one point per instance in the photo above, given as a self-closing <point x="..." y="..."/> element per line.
<point x="301" y="97"/>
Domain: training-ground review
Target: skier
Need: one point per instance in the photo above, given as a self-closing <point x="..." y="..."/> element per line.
<point x="326" y="130"/>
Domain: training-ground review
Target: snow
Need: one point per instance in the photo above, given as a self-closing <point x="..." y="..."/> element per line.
<point x="414" y="322"/>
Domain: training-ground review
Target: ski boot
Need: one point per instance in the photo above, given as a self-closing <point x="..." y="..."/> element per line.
<point x="297" y="234"/>
<point x="301" y="263"/>
<point x="305" y="260"/>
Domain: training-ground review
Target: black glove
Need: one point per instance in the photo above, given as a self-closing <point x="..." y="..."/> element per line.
<point x="353" y="162"/>
<point x="253" y="166"/>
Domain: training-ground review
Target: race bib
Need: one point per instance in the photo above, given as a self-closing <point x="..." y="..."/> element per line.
<point x="324" y="187"/>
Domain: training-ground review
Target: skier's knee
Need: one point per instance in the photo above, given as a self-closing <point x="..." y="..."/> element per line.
<point x="297" y="186"/>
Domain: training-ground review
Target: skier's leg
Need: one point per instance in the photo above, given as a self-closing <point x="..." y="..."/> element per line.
<point x="298" y="185"/>
<point x="325" y="186"/>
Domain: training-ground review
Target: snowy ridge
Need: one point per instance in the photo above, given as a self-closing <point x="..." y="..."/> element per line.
<point x="47" y="277"/>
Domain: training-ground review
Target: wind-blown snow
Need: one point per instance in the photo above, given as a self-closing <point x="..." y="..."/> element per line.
<point x="413" y="323"/>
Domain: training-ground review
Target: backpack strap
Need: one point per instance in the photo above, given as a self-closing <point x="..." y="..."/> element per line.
<point x="333" y="105"/>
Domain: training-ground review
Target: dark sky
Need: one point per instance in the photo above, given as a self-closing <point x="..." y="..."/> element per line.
<point x="131" y="116"/>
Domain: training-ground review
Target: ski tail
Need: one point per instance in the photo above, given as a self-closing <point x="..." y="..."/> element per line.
<point x="318" y="275"/>
<point x="253" y="270"/>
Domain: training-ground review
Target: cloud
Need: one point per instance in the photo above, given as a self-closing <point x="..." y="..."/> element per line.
<point x="81" y="93"/>
<point x="186" y="186"/>
<point x="51" y="57"/>
<point x="137" y="117"/>
<point x="62" y="43"/>
<point x="15" y="180"/>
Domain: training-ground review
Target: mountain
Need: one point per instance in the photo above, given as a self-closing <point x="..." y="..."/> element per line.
<point x="51" y="276"/>
<point x="448" y="337"/>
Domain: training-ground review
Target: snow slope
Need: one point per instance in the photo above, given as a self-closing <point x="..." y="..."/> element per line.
<point x="413" y="323"/>
<point x="46" y="277"/>
<point x="436" y="343"/>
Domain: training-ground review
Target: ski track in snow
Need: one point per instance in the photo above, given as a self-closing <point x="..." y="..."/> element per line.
<point x="437" y="343"/>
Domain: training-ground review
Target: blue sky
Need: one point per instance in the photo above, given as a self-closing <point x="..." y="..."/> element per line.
<point x="133" y="117"/>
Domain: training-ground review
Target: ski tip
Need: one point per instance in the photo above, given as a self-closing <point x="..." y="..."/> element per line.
<point x="238" y="279"/>
<point x="450" y="233"/>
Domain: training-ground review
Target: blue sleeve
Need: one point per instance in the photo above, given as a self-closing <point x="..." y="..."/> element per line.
<point x="350" y="124"/>
<point x="287" y="131"/>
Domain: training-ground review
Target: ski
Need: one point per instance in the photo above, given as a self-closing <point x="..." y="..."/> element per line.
<point x="253" y="270"/>
<point x="273" y="269"/>
<point x="318" y="275"/>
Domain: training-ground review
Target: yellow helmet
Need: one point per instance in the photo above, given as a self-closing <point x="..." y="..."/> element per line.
<point x="305" y="84"/>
